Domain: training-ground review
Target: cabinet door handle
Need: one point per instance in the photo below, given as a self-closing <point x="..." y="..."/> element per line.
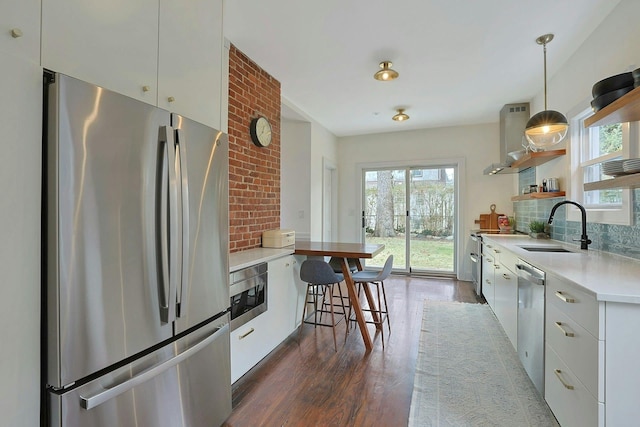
<point x="558" y="372"/>
<point x="506" y="276"/>
<point x="16" y="32"/>
<point x="171" y="99"/>
<point x="565" y="332"/>
<point x="250" y="331"/>
<point x="496" y="251"/>
<point x="564" y="298"/>
<point x="146" y="88"/>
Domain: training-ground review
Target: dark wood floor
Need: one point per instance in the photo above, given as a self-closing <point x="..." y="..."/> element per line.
<point x="307" y="383"/>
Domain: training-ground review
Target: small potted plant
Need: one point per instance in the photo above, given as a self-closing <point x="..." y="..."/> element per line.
<point x="538" y="230"/>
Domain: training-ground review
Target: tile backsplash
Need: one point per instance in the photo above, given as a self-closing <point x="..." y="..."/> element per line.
<point x="618" y="239"/>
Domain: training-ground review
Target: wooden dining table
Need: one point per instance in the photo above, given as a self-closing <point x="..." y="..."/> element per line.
<point x="343" y="252"/>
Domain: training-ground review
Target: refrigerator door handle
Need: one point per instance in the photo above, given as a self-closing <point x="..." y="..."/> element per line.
<point x="168" y="225"/>
<point x="184" y="205"/>
<point x="108" y="394"/>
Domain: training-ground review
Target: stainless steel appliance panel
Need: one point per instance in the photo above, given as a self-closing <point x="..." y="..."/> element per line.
<point x="203" y="288"/>
<point x="531" y="312"/>
<point x="169" y="387"/>
<point x="249" y="288"/>
<point x="104" y="276"/>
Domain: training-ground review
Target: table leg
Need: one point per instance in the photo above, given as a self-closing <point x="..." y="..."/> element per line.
<point x="355" y="303"/>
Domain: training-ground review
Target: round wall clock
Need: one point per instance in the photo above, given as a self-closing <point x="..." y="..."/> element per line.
<point x="260" y="130"/>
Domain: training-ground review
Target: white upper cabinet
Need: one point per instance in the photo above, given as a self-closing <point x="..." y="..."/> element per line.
<point x="167" y="53"/>
<point x="113" y="44"/>
<point x="20" y="28"/>
<point x="190" y="59"/>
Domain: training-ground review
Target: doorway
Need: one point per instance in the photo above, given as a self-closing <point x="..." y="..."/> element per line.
<point x="413" y="211"/>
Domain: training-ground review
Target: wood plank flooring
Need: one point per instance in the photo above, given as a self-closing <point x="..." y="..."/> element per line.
<point x="307" y="383"/>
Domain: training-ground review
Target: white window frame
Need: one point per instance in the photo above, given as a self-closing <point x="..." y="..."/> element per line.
<point x="630" y="143"/>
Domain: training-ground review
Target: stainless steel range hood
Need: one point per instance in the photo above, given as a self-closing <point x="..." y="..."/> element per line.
<point x="513" y="120"/>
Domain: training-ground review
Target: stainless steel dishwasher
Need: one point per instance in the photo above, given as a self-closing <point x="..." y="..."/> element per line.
<point x="531" y="321"/>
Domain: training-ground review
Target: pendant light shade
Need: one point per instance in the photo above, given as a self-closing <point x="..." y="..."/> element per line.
<point x="547" y="127"/>
<point x="386" y="73"/>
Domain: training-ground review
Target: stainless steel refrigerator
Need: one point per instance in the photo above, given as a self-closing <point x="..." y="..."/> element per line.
<point x="136" y="273"/>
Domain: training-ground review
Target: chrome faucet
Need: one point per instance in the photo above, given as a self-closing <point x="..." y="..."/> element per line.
<point x="584" y="240"/>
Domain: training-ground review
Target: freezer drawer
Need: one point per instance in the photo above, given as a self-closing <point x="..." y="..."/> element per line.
<point x="184" y="384"/>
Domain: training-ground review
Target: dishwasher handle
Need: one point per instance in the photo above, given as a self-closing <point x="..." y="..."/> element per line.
<point x="530" y="274"/>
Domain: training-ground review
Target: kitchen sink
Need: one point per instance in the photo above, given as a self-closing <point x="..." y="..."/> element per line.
<point x="545" y="249"/>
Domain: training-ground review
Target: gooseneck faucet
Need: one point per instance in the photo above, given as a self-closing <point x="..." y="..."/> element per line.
<point x="584" y="240"/>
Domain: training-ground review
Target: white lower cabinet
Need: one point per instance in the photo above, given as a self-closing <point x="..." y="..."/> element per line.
<point x="569" y="400"/>
<point x="252" y="341"/>
<point x="592" y="374"/>
<point x="488" y="274"/>
<point x="506" y="294"/>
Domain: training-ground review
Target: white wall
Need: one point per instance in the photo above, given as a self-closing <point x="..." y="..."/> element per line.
<point x="478" y="145"/>
<point x="612" y="48"/>
<point x="295" y="176"/>
<point x="304" y="144"/>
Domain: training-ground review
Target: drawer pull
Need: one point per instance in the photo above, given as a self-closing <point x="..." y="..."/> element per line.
<point x="566" y="333"/>
<point x="558" y="372"/>
<point x="250" y="331"/>
<point x="565" y="298"/>
<point x="506" y="276"/>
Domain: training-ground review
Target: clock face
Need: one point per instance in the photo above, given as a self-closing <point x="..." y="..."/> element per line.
<point x="260" y="130"/>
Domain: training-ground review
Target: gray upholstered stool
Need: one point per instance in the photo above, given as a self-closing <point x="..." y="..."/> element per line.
<point x="376" y="278"/>
<point x="321" y="281"/>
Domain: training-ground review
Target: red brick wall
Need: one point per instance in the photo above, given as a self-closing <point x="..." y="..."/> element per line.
<point x="254" y="172"/>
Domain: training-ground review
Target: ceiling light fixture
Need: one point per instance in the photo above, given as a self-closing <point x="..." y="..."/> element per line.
<point x="547" y="127"/>
<point x="401" y="116"/>
<point x="386" y="73"/>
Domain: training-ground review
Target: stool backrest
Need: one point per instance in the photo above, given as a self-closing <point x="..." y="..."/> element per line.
<point x="386" y="270"/>
<point x="318" y="272"/>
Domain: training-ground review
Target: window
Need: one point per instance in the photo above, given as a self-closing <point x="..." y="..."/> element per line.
<point x="590" y="148"/>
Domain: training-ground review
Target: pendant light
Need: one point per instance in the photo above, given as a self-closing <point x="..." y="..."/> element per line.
<point x="548" y="127"/>
<point x="400" y="116"/>
<point x="386" y="73"/>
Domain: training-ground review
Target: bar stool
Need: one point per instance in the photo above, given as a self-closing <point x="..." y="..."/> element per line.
<point x="321" y="281"/>
<point x="377" y="278"/>
<point x="334" y="262"/>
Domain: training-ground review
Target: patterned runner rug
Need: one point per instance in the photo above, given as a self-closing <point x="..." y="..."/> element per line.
<point x="469" y="374"/>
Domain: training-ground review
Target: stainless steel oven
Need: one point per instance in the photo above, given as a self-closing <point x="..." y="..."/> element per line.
<point x="248" y="292"/>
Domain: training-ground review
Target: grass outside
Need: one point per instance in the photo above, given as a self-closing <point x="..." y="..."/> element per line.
<point x="426" y="253"/>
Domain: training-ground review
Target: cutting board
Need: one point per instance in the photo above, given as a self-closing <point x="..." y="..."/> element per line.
<point x="489" y="221"/>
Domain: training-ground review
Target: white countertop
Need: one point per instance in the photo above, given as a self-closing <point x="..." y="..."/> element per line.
<point x="242" y="259"/>
<point x="609" y="277"/>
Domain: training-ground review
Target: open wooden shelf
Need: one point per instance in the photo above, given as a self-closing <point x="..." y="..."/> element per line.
<point x="532" y="196"/>
<point x="537" y="158"/>
<point x="624" y="181"/>
<point x="622" y="110"/>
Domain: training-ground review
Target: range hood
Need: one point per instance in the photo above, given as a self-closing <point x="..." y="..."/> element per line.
<point x="513" y="120"/>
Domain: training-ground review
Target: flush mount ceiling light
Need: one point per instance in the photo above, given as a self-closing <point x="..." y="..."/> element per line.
<point x="401" y="116"/>
<point x="548" y="127"/>
<point x="386" y="73"/>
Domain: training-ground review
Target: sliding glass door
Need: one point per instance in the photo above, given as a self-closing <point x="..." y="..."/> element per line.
<point x="413" y="212"/>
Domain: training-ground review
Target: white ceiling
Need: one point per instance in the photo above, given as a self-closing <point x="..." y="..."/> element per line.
<point x="459" y="61"/>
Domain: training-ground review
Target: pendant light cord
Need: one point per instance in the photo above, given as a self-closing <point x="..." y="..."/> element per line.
<point x="544" y="47"/>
